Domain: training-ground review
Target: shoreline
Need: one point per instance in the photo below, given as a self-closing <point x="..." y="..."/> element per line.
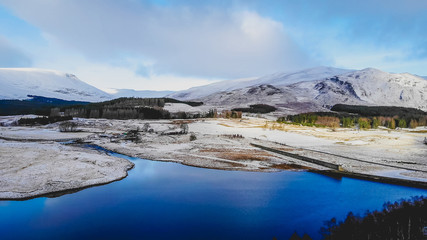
<point x="60" y="193"/>
<point x="48" y="169"/>
<point x="331" y="173"/>
<point x="221" y="144"/>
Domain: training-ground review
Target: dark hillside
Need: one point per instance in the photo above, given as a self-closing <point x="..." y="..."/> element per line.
<point x="36" y="105"/>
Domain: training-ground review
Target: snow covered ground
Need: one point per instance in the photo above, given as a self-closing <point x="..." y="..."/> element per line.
<point x="216" y="143"/>
<point x="32" y="169"/>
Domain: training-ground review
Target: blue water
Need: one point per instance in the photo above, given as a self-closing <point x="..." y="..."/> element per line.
<point x="161" y="200"/>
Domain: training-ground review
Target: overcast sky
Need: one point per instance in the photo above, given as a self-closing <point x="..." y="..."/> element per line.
<point x="174" y="45"/>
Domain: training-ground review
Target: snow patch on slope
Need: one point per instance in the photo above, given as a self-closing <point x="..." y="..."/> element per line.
<point x="181" y="107"/>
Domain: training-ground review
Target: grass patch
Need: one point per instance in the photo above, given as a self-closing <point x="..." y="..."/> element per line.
<point x="243" y="156"/>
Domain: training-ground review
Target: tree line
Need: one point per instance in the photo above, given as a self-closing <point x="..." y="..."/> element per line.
<point x="128" y="108"/>
<point x="256" y="108"/>
<point x="43" y="120"/>
<point x="400" y="220"/>
<point x="364" y="117"/>
<point x="34" y="105"/>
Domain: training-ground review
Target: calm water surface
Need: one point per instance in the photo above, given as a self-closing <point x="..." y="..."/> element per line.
<point x="161" y="200"/>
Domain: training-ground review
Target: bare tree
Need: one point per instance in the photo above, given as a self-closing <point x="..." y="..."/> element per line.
<point x="145" y="127"/>
<point x="68" y="126"/>
<point x="184" y="128"/>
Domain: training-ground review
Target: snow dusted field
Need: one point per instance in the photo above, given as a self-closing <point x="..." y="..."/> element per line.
<point x="33" y="168"/>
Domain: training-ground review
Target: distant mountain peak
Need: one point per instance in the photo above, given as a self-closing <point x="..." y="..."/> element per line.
<point x="18" y="83"/>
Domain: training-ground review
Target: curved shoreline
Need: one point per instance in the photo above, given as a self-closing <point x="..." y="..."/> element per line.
<point x="60" y="193"/>
<point x="331" y="173"/>
<point x="49" y="169"/>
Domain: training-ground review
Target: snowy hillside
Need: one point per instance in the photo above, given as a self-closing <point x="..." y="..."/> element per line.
<point x="117" y="93"/>
<point x="372" y="87"/>
<point x="365" y="87"/>
<point x="17" y="83"/>
<point x="277" y="79"/>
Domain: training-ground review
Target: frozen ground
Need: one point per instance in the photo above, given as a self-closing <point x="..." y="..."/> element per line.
<point x="219" y="143"/>
<point x="37" y="168"/>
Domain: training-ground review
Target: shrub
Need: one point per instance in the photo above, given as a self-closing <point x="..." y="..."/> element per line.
<point x="145" y="127"/>
<point x="184" y="128"/>
<point x="193" y="137"/>
<point x="68" y="127"/>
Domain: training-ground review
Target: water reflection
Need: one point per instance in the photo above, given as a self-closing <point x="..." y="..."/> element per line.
<point x="171" y="201"/>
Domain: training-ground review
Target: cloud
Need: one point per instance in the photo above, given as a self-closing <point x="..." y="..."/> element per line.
<point x="182" y="40"/>
<point x="11" y="56"/>
<point x="213" y="39"/>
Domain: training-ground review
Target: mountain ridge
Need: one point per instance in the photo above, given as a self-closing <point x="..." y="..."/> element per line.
<point x="314" y="89"/>
<point x="18" y="83"/>
<point x="368" y="86"/>
<point x="280" y="78"/>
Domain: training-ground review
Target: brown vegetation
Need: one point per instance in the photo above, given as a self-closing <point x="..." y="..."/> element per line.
<point x="243" y="156"/>
<point x="179" y="122"/>
<point x="239" y="154"/>
<point x="285" y="166"/>
<point x="328" y="121"/>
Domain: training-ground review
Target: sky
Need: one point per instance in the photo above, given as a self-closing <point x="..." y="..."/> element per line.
<point x="177" y="44"/>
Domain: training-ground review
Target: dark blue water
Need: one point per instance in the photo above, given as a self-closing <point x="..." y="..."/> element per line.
<point x="170" y="201"/>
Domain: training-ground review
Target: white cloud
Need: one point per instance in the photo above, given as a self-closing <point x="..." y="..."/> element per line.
<point x="180" y="41"/>
<point x="122" y="76"/>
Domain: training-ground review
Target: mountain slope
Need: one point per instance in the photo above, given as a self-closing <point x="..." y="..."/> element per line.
<point x="373" y="87"/>
<point x="277" y="79"/>
<point x="17" y="83"/>
<point x="364" y="87"/>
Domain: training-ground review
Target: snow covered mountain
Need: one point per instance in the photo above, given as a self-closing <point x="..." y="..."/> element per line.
<point x="117" y="93"/>
<point x="372" y="87"/>
<point x="310" y="93"/>
<point x="17" y="83"/>
<point x="277" y="79"/>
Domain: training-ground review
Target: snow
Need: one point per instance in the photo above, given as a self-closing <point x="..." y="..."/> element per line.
<point x="276" y="79"/>
<point x="117" y="93"/>
<point x="198" y="92"/>
<point x="17" y="83"/>
<point x="364" y="87"/>
<point x="46" y="167"/>
<point x="181" y="107"/>
<point x="33" y="168"/>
